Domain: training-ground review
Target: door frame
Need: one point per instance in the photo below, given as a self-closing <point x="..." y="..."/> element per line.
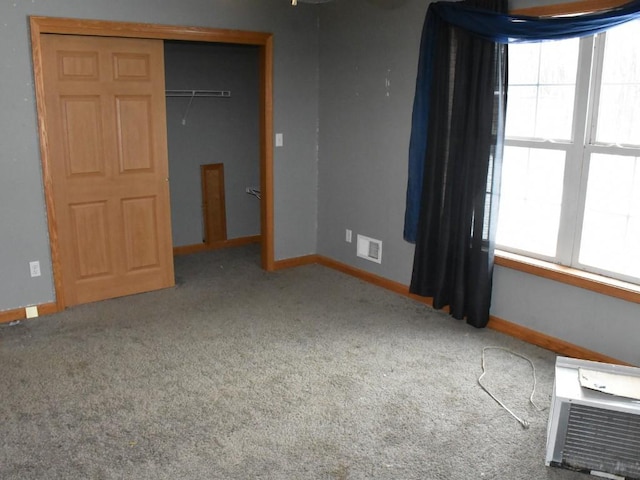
<point x="72" y="26"/>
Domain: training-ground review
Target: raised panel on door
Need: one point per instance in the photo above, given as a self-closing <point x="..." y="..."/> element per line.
<point x="90" y="235"/>
<point x="139" y="227"/>
<point x="131" y="66"/>
<point x="134" y="133"/>
<point x="82" y="135"/>
<point x="106" y="126"/>
<point x="77" y="65"/>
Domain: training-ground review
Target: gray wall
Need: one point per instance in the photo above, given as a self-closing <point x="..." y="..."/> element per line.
<point x="364" y="135"/>
<point x="23" y="220"/>
<point x="367" y="79"/>
<point x="367" y="64"/>
<point x="216" y="130"/>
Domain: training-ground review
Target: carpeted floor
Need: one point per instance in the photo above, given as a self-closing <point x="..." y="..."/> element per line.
<point x="239" y="374"/>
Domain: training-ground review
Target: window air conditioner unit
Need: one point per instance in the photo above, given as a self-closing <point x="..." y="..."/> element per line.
<point x="594" y="420"/>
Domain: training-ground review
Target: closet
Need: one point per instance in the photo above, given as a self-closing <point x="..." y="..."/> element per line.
<point x="212" y="100"/>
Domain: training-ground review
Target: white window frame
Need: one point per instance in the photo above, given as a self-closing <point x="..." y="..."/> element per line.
<point x="592" y="146"/>
<point x="578" y="152"/>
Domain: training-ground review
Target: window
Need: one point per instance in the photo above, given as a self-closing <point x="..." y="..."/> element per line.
<point x="571" y="171"/>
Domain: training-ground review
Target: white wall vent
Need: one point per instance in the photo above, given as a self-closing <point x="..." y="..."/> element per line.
<point x="369" y="248"/>
<point x="592" y="431"/>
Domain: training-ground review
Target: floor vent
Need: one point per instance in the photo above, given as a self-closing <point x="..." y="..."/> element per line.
<point x="369" y="249"/>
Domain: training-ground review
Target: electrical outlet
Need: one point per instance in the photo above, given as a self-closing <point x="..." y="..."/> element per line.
<point x="348" y="235"/>
<point x="34" y="268"/>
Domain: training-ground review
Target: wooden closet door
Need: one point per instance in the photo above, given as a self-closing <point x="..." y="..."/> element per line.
<point x="106" y="126"/>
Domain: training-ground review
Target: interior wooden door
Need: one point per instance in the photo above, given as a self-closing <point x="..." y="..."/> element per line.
<point x="213" y="203"/>
<point x="106" y="125"/>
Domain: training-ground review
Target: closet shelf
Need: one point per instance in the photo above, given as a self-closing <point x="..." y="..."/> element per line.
<point x="191" y="94"/>
<point x="198" y="93"/>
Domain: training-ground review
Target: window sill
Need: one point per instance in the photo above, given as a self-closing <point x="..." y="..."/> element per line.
<point x="570" y="276"/>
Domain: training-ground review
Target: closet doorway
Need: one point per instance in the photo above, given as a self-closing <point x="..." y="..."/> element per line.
<point x="47" y="25"/>
<point x="213" y="113"/>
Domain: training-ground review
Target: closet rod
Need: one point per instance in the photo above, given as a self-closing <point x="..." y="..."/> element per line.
<point x="198" y="93"/>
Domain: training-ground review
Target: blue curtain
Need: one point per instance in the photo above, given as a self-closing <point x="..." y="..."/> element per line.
<point x="498" y="28"/>
<point x="456" y="142"/>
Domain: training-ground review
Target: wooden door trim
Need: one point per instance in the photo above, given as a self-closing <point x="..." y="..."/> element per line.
<point x="71" y="26"/>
